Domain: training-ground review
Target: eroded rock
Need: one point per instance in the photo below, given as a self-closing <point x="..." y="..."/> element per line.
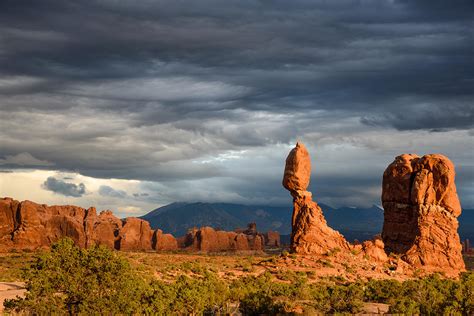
<point x="165" y="242"/>
<point x="297" y="169"/>
<point x="310" y="233"/>
<point x="421" y="207"/>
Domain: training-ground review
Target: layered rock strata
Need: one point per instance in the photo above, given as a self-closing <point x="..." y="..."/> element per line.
<point x="421" y="207"/>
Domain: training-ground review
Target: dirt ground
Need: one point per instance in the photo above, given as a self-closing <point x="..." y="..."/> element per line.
<point x="9" y="290"/>
<point x="343" y="266"/>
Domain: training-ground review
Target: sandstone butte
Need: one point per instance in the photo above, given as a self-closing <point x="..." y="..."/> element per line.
<point x="29" y="226"/>
<point x="421" y="207"/>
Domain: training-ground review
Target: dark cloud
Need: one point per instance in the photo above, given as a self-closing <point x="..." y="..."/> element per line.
<point x="64" y="188"/>
<point x="106" y="190"/>
<point x="158" y="90"/>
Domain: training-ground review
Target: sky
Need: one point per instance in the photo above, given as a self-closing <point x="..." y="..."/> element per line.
<point x="130" y="105"/>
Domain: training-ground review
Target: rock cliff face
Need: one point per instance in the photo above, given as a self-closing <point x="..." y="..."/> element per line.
<point x="421" y="209"/>
<point x="28" y="226"/>
<point x="310" y="232"/>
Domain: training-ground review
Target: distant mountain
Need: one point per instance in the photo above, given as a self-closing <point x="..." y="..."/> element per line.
<point x="177" y="218"/>
<point x="353" y="223"/>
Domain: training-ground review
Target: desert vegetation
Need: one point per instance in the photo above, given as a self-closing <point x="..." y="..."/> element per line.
<point x="68" y="279"/>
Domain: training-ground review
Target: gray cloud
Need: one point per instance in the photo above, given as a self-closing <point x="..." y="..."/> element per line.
<point x="106" y="190"/>
<point x="24" y="159"/>
<point x="163" y="92"/>
<point x="64" y="188"/>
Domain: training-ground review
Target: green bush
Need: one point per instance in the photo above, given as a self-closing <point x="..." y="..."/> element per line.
<point x="72" y="280"/>
<point x="435" y="296"/>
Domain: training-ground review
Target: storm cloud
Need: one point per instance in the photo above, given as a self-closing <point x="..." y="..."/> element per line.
<point x="64" y="188"/>
<point x="202" y="100"/>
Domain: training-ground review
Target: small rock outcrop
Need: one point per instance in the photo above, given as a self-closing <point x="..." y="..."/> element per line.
<point x="207" y="239"/>
<point x="272" y="239"/>
<point x="310" y="233"/>
<point x="421" y="207"/>
<point x="165" y="242"/>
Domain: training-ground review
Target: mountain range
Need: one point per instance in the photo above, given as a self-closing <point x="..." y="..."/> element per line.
<point x="353" y="222"/>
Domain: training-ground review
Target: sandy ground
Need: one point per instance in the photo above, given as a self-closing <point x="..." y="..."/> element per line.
<point x="10" y="290"/>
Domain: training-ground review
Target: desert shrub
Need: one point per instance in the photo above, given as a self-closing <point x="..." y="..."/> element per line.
<point x="320" y="298"/>
<point x="195" y="295"/>
<point x="435" y="296"/>
<point x="346" y="298"/>
<point x="70" y="280"/>
<point x="467" y="302"/>
<point x="79" y="281"/>
<point x="260" y="304"/>
<point x="188" y="296"/>
<point x="256" y="294"/>
<point x="382" y="291"/>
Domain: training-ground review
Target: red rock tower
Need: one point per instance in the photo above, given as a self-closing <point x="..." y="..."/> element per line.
<point x="421" y="207"/>
<point x="310" y="233"/>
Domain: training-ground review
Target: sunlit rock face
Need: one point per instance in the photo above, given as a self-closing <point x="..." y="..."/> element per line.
<point x="310" y="233"/>
<point x="297" y="169"/>
<point x="421" y="207"/>
<point x="28" y="225"/>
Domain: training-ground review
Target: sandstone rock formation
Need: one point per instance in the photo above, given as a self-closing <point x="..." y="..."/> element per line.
<point x="375" y="249"/>
<point x="272" y="239"/>
<point x="28" y="226"/>
<point x="103" y="229"/>
<point x="421" y="209"/>
<point x="310" y="233"/>
<point x="297" y="169"/>
<point x="207" y="239"/>
<point x="135" y="234"/>
<point x="165" y="242"/>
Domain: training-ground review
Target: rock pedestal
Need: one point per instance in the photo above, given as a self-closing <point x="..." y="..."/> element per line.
<point x="310" y="233"/>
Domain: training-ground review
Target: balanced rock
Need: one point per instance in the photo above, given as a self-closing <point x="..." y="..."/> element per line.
<point x="421" y="207"/>
<point x="297" y="169"/>
<point x="310" y="233"/>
